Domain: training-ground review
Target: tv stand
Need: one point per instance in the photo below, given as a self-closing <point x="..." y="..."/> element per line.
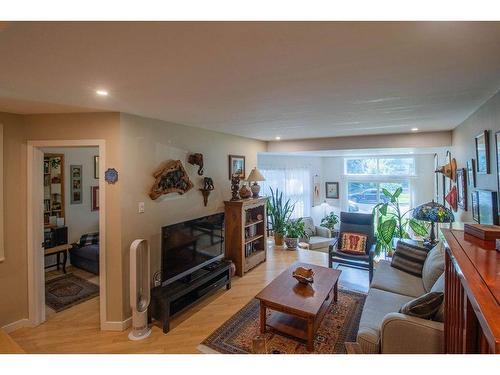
<point x="169" y="300"/>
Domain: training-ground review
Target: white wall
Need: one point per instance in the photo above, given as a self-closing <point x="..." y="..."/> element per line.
<point x="80" y="219"/>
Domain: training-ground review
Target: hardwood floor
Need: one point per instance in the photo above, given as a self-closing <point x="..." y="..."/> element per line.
<point x="76" y="330"/>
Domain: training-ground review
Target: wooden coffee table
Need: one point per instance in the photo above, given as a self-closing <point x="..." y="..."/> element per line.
<point x="298" y="309"/>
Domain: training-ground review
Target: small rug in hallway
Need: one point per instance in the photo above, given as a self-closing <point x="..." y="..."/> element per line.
<point x="68" y="290"/>
<point x="339" y="325"/>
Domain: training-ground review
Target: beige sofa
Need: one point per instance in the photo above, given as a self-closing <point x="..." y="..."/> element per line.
<point x="319" y="237"/>
<point x="383" y="329"/>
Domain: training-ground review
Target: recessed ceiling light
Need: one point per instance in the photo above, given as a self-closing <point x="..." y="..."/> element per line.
<point x="101" y="92"/>
<point x="414" y="129"/>
<point x="278" y="138"/>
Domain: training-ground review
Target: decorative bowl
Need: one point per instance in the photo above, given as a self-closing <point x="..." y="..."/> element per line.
<point x="304" y="275"/>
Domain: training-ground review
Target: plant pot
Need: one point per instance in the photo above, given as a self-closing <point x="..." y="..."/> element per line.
<point x="278" y="239"/>
<point x="291" y="243"/>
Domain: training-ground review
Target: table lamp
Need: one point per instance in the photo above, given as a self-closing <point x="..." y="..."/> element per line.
<point x="255" y="176"/>
<point x="434" y="213"/>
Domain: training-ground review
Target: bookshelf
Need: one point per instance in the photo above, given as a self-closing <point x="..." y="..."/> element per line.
<point x="245" y="233"/>
<point x="53" y="186"/>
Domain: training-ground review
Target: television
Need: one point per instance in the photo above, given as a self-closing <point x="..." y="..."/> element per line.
<point x="191" y="245"/>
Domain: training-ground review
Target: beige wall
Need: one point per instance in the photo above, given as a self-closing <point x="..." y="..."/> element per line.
<point x="431" y="139"/>
<point x="146" y="144"/>
<point x="486" y="117"/>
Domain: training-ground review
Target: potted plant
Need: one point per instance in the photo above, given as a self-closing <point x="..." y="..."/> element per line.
<point x="279" y="214"/>
<point x="295" y="229"/>
<point x="330" y="220"/>
<point x="392" y="223"/>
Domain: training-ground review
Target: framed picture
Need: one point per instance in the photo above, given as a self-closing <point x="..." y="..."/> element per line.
<point x="332" y="190"/>
<point x="462" y="188"/>
<point x="237" y="166"/>
<point x="483" y="153"/>
<point x="436" y="178"/>
<point x="94" y="190"/>
<point x="96" y="166"/>
<point x="471" y="173"/>
<point x="497" y="152"/>
<point x="488" y="207"/>
<point x="316" y="191"/>
<point x="475" y="206"/>
<point x="75" y="174"/>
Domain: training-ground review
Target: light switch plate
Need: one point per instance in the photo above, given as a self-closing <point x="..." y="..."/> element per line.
<point x="141" y="207"/>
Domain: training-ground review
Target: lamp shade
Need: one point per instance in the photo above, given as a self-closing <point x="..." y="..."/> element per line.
<point x="255" y="175"/>
<point x="433" y="212"/>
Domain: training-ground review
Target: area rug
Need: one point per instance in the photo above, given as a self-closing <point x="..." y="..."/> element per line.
<point x="339" y="325"/>
<point x="68" y="290"/>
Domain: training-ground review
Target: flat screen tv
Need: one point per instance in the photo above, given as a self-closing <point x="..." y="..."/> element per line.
<point x="191" y="245"/>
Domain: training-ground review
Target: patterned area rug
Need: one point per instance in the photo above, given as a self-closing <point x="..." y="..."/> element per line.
<point x="339" y="325"/>
<point x="68" y="290"/>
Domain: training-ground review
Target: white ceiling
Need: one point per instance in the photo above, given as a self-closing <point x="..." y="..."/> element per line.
<point x="260" y="80"/>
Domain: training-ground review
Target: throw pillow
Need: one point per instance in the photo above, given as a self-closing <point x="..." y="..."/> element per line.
<point x="409" y="258"/>
<point x="439" y="287"/>
<point x="354" y="243"/>
<point x="425" y="306"/>
<point x="89" y="239"/>
<point x="433" y="267"/>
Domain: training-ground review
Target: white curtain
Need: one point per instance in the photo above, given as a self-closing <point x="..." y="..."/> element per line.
<point x="295" y="185"/>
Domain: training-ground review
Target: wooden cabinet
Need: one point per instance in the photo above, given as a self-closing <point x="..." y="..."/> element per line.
<point x="245" y="233"/>
<point x="472" y="294"/>
<point x="53" y="184"/>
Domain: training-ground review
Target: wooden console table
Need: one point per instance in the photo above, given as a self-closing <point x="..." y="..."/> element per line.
<point x="472" y="294"/>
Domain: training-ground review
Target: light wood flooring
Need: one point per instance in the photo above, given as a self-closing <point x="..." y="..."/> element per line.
<point x="76" y="330"/>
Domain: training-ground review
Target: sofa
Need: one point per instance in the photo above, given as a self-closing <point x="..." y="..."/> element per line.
<point x="318" y="237"/>
<point x="382" y="329"/>
<point x="85" y="253"/>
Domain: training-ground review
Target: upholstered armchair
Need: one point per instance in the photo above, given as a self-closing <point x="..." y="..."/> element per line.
<point x="318" y="237"/>
<point x="354" y="223"/>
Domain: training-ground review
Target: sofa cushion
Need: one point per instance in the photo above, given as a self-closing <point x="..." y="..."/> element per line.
<point x="316" y="242"/>
<point x="425" y="306"/>
<point x="377" y="305"/>
<point x="393" y="280"/>
<point x="409" y="258"/>
<point x="433" y="267"/>
<point x="89" y="252"/>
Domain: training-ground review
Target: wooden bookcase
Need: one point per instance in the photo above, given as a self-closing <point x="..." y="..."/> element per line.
<point x="245" y="233"/>
<point x="53" y="173"/>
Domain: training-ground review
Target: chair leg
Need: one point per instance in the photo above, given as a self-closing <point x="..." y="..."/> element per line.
<point x="370" y="274"/>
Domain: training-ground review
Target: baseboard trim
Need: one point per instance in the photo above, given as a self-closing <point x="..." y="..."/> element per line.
<point x="11" y="327"/>
<point x="116" y="326"/>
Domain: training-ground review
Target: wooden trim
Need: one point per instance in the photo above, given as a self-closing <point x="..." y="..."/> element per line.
<point x="2" y="248"/>
<point x="36" y="290"/>
<point x="116" y="326"/>
<point x="11" y="327"/>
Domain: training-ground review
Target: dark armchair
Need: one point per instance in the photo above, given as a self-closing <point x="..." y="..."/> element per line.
<point x="356" y="223"/>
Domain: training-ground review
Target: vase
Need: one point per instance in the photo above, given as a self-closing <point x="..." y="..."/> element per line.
<point x="291" y="243"/>
<point x="245" y="192"/>
<point x="278" y="239"/>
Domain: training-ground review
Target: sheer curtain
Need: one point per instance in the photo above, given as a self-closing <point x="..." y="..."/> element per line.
<point x="295" y="183"/>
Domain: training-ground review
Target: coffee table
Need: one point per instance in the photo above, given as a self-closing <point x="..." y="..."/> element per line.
<point x="298" y="309"/>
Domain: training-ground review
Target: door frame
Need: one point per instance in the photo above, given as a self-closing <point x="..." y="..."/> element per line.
<point x="36" y="271"/>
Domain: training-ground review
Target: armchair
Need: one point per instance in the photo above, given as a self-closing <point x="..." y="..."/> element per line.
<point x="357" y="223"/>
<point x="318" y="237"/>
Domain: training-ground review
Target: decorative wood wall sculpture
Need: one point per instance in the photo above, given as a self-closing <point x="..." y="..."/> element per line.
<point x="197" y="159"/>
<point x="171" y="177"/>
<point x="208" y="186"/>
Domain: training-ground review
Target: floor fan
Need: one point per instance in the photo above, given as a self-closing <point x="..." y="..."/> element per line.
<point x="139" y="289"/>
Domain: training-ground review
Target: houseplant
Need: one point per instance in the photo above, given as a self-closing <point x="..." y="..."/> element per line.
<point x="279" y="213"/>
<point x="392" y="223"/>
<point x="330" y="220"/>
<point x="294" y="229"/>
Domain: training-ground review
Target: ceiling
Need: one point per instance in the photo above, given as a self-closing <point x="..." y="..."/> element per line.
<point x="259" y="80"/>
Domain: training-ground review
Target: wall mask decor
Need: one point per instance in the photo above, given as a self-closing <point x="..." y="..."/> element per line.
<point x="208" y="186"/>
<point x="171" y="177"/>
<point x="197" y="159"/>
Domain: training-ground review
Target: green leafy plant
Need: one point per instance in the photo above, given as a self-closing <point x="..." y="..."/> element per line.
<point x="295" y="229"/>
<point x="330" y="220"/>
<point x="279" y="211"/>
<point x="392" y="223"/>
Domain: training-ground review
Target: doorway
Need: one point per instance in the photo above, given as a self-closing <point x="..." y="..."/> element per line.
<point x="43" y="214"/>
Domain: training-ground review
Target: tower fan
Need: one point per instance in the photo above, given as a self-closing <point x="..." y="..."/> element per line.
<point x="139" y="289"/>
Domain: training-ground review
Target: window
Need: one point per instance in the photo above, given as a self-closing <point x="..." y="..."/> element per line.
<point x="363" y="196"/>
<point x="380" y="166"/>
<point x="295" y="185"/>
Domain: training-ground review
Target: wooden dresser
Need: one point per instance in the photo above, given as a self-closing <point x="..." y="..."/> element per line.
<point x="472" y="294"/>
<point x="245" y="233"/>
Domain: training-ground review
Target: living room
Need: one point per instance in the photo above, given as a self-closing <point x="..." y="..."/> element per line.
<point x="260" y="187"/>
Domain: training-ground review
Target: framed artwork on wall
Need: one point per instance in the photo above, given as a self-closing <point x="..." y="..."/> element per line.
<point x="462" y="188"/>
<point x="94" y="196"/>
<point x="471" y="173"/>
<point x="316" y="191"/>
<point x="483" y="153"/>
<point x="436" y="178"/>
<point x="497" y="152"/>
<point x="475" y="206"/>
<point x="332" y="190"/>
<point x="96" y="166"/>
<point x="237" y="166"/>
<point x="488" y="207"/>
<point x="75" y="174"/>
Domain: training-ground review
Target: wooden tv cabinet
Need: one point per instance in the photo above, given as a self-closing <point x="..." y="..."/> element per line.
<point x="245" y="232"/>
<point x="472" y="294"/>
